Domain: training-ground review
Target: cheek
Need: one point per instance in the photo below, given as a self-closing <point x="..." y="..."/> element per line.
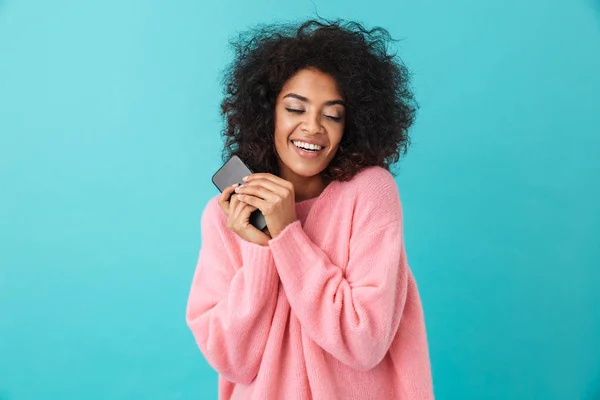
<point x="284" y="127"/>
<point x="336" y="136"/>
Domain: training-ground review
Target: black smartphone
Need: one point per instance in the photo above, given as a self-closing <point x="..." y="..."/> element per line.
<point x="231" y="173"/>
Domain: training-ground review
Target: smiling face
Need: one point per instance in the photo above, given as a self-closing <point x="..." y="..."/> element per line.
<point x="309" y="124"/>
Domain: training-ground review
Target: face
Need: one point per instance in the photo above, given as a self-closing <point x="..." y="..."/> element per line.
<point x="309" y="124"/>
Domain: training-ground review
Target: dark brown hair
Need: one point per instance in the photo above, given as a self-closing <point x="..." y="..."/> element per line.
<point x="379" y="104"/>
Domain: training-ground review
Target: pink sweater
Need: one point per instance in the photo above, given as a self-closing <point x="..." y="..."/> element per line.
<point x="329" y="310"/>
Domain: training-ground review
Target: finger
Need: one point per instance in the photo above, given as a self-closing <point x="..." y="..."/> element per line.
<point x="266" y="183"/>
<point x="227" y="192"/>
<point x="246" y="211"/>
<point x="224" y="197"/>
<point x="259" y="203"/>
<point x="233" y="202"/>
<point x="281" y="191"/>
<point x="270" y="177"/>
<point x="237" y="210"/>
<point x="258" y="190"/>
<point x="242" y="214"/>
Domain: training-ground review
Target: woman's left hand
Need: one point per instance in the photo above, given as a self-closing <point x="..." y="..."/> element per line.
<point x="273" y="196"/>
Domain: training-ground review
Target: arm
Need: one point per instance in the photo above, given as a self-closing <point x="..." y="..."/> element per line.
<point x="230" y="308"/>
<point x="353" y="317"/>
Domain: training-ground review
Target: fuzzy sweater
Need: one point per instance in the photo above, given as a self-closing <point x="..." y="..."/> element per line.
<point x="328" y="310"/>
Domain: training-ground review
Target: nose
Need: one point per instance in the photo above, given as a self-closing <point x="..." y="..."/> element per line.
<point x="312" y="123"/>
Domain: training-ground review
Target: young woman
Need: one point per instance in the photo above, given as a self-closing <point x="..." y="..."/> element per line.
<point x="322" y="303"/>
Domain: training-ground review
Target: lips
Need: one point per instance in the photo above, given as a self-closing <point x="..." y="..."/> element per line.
<point x="307" y="153"/>
<point x="309" y="141"/>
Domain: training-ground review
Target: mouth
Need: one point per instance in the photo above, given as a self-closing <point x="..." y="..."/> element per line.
<point x="310" y="147"/>
<point x="307" y="150"/>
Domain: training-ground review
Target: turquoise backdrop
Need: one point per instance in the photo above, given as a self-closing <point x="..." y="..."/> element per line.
<point x="109" y="134"/>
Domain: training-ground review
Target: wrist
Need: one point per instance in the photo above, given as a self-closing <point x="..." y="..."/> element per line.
<point x="276" y="232"/>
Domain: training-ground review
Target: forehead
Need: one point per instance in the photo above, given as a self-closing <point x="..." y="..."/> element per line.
<point x="312" y="83"/>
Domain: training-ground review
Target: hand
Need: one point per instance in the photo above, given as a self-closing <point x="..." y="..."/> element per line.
<point x="273" y="196"/>
<point x="238" y="218"/>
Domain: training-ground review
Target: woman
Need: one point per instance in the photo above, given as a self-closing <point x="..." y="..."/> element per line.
<point x="322" y="304"/>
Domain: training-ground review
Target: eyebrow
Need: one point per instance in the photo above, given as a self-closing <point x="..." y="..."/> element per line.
<point x="304" y="99"/>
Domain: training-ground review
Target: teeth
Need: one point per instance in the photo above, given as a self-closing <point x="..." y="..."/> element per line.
<point x="307" y="146"/>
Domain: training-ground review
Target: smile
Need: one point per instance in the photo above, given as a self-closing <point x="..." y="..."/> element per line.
<point x="307" y="146"/>
<point x="307" y="150"/>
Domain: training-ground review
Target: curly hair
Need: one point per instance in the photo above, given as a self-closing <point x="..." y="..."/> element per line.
<point x="374" y="83"/>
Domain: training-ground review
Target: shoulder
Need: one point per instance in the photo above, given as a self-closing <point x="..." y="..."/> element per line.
<point x="214" y="229"/>
<point x="373" y="185"/>
<point x="376" y="179"/>
<point x="212" y="215"/>
<point x="375" y="196"/>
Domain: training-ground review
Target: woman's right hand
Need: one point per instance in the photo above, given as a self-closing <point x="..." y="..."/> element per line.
<point x="238" y="218"/>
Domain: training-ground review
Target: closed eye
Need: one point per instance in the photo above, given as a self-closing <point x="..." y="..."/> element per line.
<point x="297" y="111"/>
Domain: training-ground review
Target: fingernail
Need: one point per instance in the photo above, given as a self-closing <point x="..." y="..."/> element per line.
<point x="245" y="178"/>
<point x="236" y="185"/>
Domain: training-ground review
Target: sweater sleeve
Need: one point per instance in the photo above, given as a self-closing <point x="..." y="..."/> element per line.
<point x="230" y="308"/>
<point x="353" y="315"/>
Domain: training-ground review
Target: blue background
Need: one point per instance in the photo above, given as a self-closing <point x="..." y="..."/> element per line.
<point x="109" y="134"/>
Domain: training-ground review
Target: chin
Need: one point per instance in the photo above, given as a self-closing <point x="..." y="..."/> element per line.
<point x="306" y="171"/>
